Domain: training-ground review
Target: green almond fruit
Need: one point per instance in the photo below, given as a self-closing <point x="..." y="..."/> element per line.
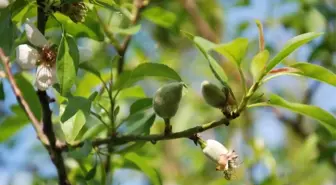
<point x="213" y="95"/>
<point x="167" y="98"/>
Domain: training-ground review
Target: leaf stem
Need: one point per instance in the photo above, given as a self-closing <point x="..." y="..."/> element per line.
<point x="243" y="80"/>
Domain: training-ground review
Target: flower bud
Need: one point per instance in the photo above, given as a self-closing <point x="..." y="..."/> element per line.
<point x="76" y="11"/>
<point x="214" y="149"/>
<point x="167" y="98"/>
<point x="213" y="95"/>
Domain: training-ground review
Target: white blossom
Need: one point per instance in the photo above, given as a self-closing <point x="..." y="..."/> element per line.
<point x="26" y="56"/>
<point x="45" y="77"/>
<point x="34" y="36"/>
<point x="4" y="3"/>
<point x="214" y="149"/>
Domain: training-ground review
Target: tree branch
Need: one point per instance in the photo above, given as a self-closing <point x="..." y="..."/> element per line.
<point x="35" y="122"/>
<point x="202" y="26"/>
<point x="137" y="6"/>
<point x="122" y="139"/>
<point x="54" y="152"/>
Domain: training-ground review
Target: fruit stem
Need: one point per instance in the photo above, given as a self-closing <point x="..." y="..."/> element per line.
<point x="168" y="128"/>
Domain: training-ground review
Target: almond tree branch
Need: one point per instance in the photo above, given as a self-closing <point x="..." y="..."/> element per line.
<point x="35" y="122"/>
<point x="137" y="6"/>
<point x="202" y="26"/>
<point x="122" y="139"/>
<point x="54" y="152"/>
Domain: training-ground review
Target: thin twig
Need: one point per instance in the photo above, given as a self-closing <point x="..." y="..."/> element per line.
<point x="202" y="26"/>
<point x="137" y="6"/>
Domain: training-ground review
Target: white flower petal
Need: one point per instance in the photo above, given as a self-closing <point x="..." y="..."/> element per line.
<point x="26" y="56"/>
<point x="45" y="77"/>
<point x="34" y="35"/>
<point x="214" y="149"/>
<point x="4" y="3"/>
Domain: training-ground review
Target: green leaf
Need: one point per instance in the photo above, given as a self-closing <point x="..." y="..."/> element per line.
<point x="308" y="70"/>
<point x="29" y="94"/>
<point x="7" y="31"/>
<point x="76" y="103"/>
<point x="91" y="173"/>
<point x="146" y="70"/>
<point x="142" y="163"/>
<point x="87" y="66"/>
<point x="316" y="72"/>
<point x="90" y="28"/>
<point x="325" y="118"/>
<point x="2" y="92"/>
<point x="12" y="124"/>
<point x="204" y="46"/>
<point x="93" y="131"/>
<point x="234" y="51"/>
<point x="67" y="63"/>
<point x="72" y="126"/>
<point x="132" y="92"/>
<point x="140" y="105"/>
<point x="83" y="152"/>
<point x="160" y="16"/>
<point x="140" y="126"/>
<point x="258" y="63"/>
<point x="126" y="31"/>
<point x="290" y="46"/>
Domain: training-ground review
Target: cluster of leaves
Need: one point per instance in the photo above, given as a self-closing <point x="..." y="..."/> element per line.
<point x="91" y="101"/>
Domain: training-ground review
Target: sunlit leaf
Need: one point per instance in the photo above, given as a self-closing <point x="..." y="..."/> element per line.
<point x="160" y="16"/>
<point x="126" y="31"/>
<point x="29" y="94"/>
<point x="73" y="125"/>
<point x="90" y="68"/>
<point x="258" y="63"/>
<point x="291" y="46"/>
<point x="143" y="165"/>
<point x="67" y="63"/>
<point x="132" y="92"/>
<point x="90" y="28"/>
<point x="146" y="70"/>
<point x="76" y="103"/>
<point x="94" y="131"/>
<point x="91" y="173"/>
<point x="325" y="118"/>
<point x="308" y="70"/>
<point x="141" y="104"/>
<point x="13" y="123"/>
<point x="234" y="51"/>
<point x="204" y="46"/>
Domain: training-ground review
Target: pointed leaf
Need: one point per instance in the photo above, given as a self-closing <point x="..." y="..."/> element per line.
<point x="73" y="125"/>
<point x="143" y="164"/>
<point x="204" y="46"/>
<point x="234" y="51"/>
<point x="67" y="63"/>
<point x="291" y="46"/>
<point x="7" y="31"/>
<point x="258" y="63"/>
<point x="2" y="92"/>
<point x="126" y="31"/>
<point x="308" y="70"/>
<point x="87" y="66"/>
<point x="141" y="104"/>
<point x="160" y="16"/>
<point x="325" y="118"/>
<point x="146" y="70"/>
<point x="91" y="173"/>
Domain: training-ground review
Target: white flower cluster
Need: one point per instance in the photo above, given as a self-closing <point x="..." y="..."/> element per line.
<point x="226" y="160"/>
<point x="44" y="58"/>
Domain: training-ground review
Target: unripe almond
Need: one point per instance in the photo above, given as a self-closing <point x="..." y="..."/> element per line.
<point x="213" y="95"/>
<point x="167" y="98"/>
